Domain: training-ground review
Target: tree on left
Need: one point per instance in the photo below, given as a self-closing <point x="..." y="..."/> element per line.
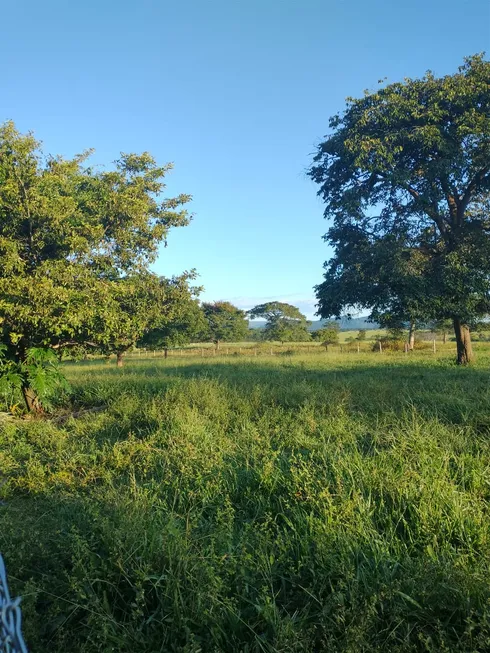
<point x="69" y="236"/>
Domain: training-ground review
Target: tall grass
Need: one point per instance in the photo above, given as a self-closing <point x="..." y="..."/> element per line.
<point x="297" y="503"/>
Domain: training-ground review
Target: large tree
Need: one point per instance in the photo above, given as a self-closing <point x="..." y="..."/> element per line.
<point x="224" y="322"/>
<point x="68" y="235"/>
<point x="284" y="322"/>
<point x="405" y="177"/>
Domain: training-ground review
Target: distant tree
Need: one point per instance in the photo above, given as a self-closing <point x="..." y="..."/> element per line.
<point x="255" y="335"/>
<point x="225" y="323"/>
<point x="284" y="322"/>
<point x="140" y="304"/>
<point x="405" y="176"/>
<point x="328" y="334"/>
<point x="69" y="235"/>
<point x="441" y="327"/>
<point x="397" y="328"/>
<point x="361" y="336"/>
<point x="482" y="327"/>
<point x="395" y="333"/>
<point x="185" y="324"/>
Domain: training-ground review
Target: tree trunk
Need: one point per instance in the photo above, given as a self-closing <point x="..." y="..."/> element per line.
<point x="31" y="399"/>
<point x="165" y="352"/>
<point x="32" y="402"/>
<point x="444" y="335"/>
<point x="217" y="345"/>
<point x="463" y="342"/>
<point x="119" y="358"/>
<point x="411" y="336"/>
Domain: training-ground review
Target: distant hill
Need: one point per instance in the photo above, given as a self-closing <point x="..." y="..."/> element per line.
<point x="354" y="324"/>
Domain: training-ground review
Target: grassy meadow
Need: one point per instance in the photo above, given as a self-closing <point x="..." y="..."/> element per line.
<point x="288" y="503"/>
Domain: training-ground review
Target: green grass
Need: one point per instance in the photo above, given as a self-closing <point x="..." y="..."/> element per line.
<point x="286" y="503"/>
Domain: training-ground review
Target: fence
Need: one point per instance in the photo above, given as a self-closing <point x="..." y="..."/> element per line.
<point x="254" y="350"/>
<point x="11" y="640"/>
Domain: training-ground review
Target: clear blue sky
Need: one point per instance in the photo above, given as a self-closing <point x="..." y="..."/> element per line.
<point x="236" y="93"/>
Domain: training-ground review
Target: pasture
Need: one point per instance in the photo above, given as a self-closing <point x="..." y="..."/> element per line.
<point x="287" y="503"/>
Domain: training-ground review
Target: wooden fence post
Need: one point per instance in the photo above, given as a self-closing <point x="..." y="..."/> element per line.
<point x="380" y="347"/>
<point x="434" y="345"/>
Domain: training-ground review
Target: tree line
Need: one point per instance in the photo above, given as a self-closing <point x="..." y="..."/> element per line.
<point x="405" y="177"/>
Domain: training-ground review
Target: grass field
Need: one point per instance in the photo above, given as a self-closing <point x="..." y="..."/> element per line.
<point x="289" y="503"/>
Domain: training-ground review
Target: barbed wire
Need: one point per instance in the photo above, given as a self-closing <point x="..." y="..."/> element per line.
<point x="11" y="639"/>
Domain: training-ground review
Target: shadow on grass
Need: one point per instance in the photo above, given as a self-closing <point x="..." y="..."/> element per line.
<point x="98" y="575"/>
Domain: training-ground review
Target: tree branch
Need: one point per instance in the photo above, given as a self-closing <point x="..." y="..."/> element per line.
<point x="452" y="201"/>
<point x="73" y="343"/>
<point x="432" y="212"/>
<point x="479" y="178"/>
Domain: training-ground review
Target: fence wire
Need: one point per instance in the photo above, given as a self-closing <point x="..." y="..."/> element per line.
<point x="11" y="640"/>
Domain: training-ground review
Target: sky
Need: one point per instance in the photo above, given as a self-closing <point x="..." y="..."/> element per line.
<point x="237" y="94"/>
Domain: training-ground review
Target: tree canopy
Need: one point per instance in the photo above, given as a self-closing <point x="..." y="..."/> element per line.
<point x="141" y="303"/>
<point x="284" y="322"/>
<point x="225" y="322"/>
<point x="71" y="240"/>
<point x="186" y="325"/>
<point x="405" y="177"/>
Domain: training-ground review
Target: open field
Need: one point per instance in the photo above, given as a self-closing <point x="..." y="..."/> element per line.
<point x="313" y="502"/>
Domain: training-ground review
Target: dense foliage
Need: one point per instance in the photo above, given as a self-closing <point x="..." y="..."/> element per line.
<point x="224" y="322"/>
<point x="187" y="324"/>
<point x="146" y="304"/>
<point x="328" y="334"/>
<point x="284" y="322"/>
<point x="73" y="241"/>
